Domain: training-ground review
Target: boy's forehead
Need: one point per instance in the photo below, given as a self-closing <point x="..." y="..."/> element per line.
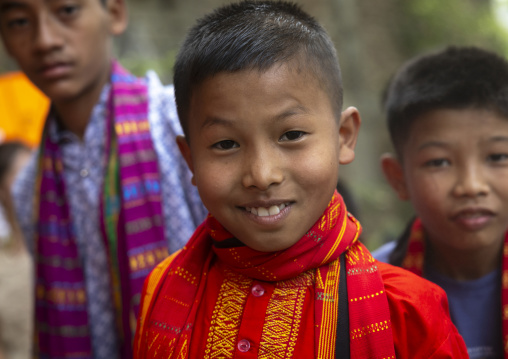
<point x="448" y="123"/>
<point x="7" y="4"/>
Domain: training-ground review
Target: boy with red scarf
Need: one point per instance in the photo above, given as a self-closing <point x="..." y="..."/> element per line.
<point x="276" y="270"/>
<point x="105" y="198"/>
<point x="448" y="119"/>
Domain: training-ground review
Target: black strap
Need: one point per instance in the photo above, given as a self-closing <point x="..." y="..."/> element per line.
<point x="342" y="340"/>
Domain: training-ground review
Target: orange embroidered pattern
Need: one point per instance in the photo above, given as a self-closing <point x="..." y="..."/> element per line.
<point x="62" y="296"/>
<point x="147" y="259"/>
<point x="283" y="317"/>
<point x="226" y="316"/>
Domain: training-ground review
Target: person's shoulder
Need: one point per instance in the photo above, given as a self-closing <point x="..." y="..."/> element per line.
<point x="156" y="88"/>
<point x="23" y="191"/>
<point x="403" y="285"/>
<point x="420" y="316"/>
<point x="382" y="254"/>
<point x="162" y="114"/>
<point x="162" y="267"/>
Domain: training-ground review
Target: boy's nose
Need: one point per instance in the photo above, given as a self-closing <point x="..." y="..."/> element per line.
<point x="261" y="170"/>
<point x="47" y="36"/>
<point x="471" y="182"/>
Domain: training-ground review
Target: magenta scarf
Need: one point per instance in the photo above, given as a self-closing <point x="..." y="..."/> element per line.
<point x="131" y="224"/>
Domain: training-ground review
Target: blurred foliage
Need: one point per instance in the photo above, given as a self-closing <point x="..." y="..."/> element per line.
<point x="373" y="39"/>
<point x="162" y="65"/>
<point x="427" y="24"/>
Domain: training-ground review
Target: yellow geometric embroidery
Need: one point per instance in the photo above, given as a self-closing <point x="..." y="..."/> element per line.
<point x="356" y="256"/>
<point x="283" y="317"/>
<point x="147" y="259"/>
<point x="368" y="296"/>
<point x="369" y="329"/>
<point x="264" y="272"/>
<point x="226" y="316"/>
<point x="62" y="296"/>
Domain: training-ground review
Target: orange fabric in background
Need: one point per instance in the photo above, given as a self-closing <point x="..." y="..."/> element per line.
<point x="23" y="109"/>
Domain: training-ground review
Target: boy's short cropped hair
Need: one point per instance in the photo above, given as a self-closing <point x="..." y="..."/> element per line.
<point x="453" y="78"/>
<point x="259" y="35"/>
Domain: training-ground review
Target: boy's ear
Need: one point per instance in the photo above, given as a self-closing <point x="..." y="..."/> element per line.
<point x="394" y="174"/>
<point x="117" y="10"/>
<point x="181" y="141"/>
<point x="349" y="127"/>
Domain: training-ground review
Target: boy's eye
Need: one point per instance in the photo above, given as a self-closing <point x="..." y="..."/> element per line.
<point x="437" y="162"/>
<point x="292" y="135"/>
<point x="17" y="23"/>
<point x="225" y="145"/>
<point x="14" y="19"/>
<point x="498" y="157"/>
<point x="68" y="11"/>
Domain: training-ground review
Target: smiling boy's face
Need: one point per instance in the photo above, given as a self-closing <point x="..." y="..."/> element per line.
<point x="265" y="149"/>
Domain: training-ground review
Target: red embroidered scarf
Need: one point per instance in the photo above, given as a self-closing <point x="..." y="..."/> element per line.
<point x="165" y="326"/>
<point x="414" y="259"/>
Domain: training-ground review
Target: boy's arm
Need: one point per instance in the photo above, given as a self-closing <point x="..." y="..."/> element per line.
<point x="421" y="323"/>
<point x="23" y="191"/>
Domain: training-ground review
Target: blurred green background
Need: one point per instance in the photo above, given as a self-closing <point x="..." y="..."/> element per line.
<point x="373" y="39"/>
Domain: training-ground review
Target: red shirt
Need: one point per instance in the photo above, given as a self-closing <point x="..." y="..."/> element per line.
<point x="245" y="318"/>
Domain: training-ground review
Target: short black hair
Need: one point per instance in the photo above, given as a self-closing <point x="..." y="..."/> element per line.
<point x="451" y="78"/>
<point x="250" y="35"/>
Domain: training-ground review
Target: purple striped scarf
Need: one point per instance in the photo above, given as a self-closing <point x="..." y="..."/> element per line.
<point x="131" y="224"/>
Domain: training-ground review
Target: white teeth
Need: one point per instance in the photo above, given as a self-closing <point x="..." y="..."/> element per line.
<point x="273" y="210"/>
<point x="263" y="211"/>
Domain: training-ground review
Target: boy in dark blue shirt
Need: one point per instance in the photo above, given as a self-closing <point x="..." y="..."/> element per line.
<point x="448" y="120"/>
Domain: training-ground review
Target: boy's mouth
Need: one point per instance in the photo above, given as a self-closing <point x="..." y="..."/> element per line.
<point x="473" y="218"/>
<point x="267" y="211"/>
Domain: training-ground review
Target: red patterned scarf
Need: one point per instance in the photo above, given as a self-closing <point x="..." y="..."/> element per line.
<point x="131" y="223"/>
<point x="168" y="314"/>
<point x="414" y="260"/>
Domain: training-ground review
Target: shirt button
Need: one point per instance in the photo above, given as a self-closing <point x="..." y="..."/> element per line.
<point x="83" y="172"/>
<point x="257" y="290"/>
<point x="243" y="345"/>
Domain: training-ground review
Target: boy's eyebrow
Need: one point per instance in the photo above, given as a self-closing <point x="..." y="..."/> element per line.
<point x="443" y="144"/>
<point x="9" y="5"/>
<point x="431" y="144"/>
<point x="499" y="139"/>
<point x="212" y="121"/>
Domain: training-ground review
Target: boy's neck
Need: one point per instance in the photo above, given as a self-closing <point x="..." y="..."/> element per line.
<point x="465" y="265"/>
<point x="74" y="114"/>
<point x="74" y="117"/>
